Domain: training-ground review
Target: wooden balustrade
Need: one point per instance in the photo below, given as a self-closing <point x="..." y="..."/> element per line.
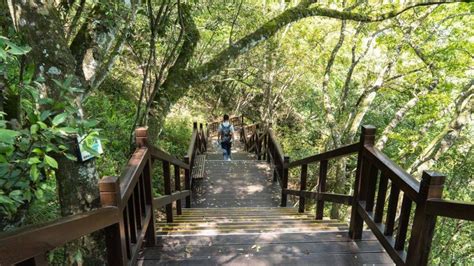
<point x="375" y="174"/>
<point x="197" y="146"/>
<point x="126" y="215"/>
<point x="127" y="212"/>
<point x="377" y="177"/>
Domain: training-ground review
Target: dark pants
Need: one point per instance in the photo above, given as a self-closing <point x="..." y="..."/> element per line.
<point x="226" y="145"/>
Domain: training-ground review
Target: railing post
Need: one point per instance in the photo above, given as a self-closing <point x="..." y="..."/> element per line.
<point x="367" y="138"/>
<point x="150" y="235"/>
<point x="141" y="137"/>
<point x="257" y="142"/>
<point x="284" y="181"/>
<point x="116" y="243"/>
<point x="304" y="177"/>
<point x="207" y="137"/>
<point x="201" y="138"/>
<point x="323" y="170"/>
<point x="167" y="184"/>
<point x="187" y="181"/>
<point x="431" y="187"/>
<point x="141" y="140"/>
<point x="177" y="187"/>
<point x="265" y="145"/>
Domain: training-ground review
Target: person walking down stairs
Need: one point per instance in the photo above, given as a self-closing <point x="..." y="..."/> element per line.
<point x="225" y="137"/>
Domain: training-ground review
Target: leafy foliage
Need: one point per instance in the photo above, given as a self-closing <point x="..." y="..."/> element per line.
<point x="28" y="146"/>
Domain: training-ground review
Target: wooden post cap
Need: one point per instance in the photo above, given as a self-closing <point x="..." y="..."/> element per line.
<point x="367" y="136"/>
<point x="432" y="184"/>
<point x="141" y="136"/>
<point x="368" y="130"/>
<point x="141" y="132"/>
<point x="109" y="184"/>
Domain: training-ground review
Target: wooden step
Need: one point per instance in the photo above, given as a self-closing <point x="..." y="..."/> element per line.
<point x="222" y="231"/>
<point x="245" y="220"/>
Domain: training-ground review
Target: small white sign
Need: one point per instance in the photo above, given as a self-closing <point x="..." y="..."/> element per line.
<point x="92" y="142"/>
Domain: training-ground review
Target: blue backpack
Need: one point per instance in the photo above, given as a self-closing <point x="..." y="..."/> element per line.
<point x="226" y="133"/>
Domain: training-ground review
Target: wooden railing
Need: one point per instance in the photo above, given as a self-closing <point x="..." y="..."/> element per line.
<point x="375" y="175"/>
<point x="198" y="145"/>
<point x="126" y="215"/>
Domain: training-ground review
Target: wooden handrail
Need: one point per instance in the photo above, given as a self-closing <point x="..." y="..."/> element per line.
<point x="278" y="148"/>
<point x="324" y="196"/>
<point x="34" y="240"/>
<point x="161" y="155"/>
<point x="132" y="171"/>
<point x="192" y="144"/>
<point x="397" y="175"/>
<point x="332" y="154"/>
<point x="168" y="199"/>
<point x="451" y="208"/>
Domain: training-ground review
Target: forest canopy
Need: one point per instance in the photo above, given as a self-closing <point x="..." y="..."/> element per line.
<point x="316" y="70"/>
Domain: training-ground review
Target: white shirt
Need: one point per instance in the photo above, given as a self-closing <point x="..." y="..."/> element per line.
<point x="226" y="124"/>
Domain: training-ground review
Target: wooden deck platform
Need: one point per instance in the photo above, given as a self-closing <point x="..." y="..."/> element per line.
<point x="235" y="220"/>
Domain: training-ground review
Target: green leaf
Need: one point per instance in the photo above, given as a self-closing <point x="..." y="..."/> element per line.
<point x="42" y="125"/>
<point x="34" y="129"/>
<point x="34" y="173"/>
<point x="34" y="160"/>
<point x="67" y="130"/>
<point x="39" y="194"/>
<point x="5" y="200"/>
<point x="59" y="119"/>
<point x="37" y="151"/>
<point x="51" y="161"/>
<point x="44" y="115"/>
<point x="70" y="156"/>
<point x="17" y="50"/>
<point x="8" y="136"/>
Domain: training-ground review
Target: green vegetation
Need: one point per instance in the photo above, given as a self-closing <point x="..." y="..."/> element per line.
<point x="316" y="70"/>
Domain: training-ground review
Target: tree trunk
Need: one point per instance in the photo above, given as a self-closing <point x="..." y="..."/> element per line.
<point x="77" y="182"/>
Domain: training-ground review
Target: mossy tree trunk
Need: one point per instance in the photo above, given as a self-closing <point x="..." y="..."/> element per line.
<point x="77" y="182"/>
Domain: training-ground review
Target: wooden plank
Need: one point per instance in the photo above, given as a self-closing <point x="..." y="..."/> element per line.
<point x="450" y="208"/>
<point x="132" y="172"/>
<point x="325" y="196"/>
<point x="388" y="242"/>
<point x="31" y="241"/>
<point x="342" y="151"/>
<point x="135" y="249"/>
<point x="163" y="156"/>
<point x="403" y="180"/>
<point x="182" y="251"/>
<point x="381" y="195"/>
<point x="303" y="179"/>
<point x="192" y="145"/>
<point x="371" y="188"/>
<point x="167" y="185"/>
<point x="323" y="169"/>
<point x="392" y="210"/>
<point x="177" y="187"/>
<point x="403" y="221"/>
<point x="168" y="199"/>
<point x="308" y="237"/>
<point x="276" y="146"/>
<point x="280" y="259"/>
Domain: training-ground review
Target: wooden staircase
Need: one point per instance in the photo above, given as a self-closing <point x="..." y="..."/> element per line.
<point x="217" y="221"/>
<point x="258" y="236"/>
<point x="235" y="220"/>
